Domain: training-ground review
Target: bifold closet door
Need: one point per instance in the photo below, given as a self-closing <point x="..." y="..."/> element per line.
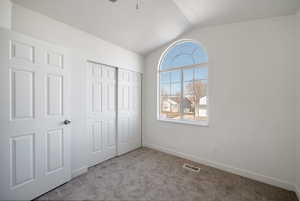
<point x="129" y="111"/>
<point x="34" y="138"/>
<point x="101" y="118"/>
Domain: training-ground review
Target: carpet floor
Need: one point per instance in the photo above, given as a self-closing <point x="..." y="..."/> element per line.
<point x="146" y="174"/>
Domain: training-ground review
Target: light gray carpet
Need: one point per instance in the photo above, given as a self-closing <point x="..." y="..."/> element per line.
<point x="146" y="174"/>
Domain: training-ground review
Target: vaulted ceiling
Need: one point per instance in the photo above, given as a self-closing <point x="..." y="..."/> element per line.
<point x="157" y="21"/>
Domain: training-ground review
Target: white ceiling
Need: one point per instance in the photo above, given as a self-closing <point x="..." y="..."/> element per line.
<point x="208" y="12"/>
<point x="157" y="21"/>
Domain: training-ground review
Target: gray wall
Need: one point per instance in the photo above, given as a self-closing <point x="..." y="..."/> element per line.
<point x="252" y="102"/>
<point x="298" y="103"/>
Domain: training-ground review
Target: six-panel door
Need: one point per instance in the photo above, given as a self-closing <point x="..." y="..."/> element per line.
<point x="129" y="111"/>
<point x="101" y="122"/>
<point x="34" y="143"/>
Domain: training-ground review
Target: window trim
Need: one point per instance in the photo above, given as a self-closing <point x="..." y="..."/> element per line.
<point x="201" y="123"/>
<point x="187" y="122"/>
<point x="186" y="67"/>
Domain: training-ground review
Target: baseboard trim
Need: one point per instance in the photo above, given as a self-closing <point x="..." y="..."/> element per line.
<point x="79" y="172"/>
<point x="297" y="190"/>
<point x="241" y="172"/>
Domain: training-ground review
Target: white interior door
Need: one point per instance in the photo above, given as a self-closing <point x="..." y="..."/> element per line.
<point x="129" y="111"/>
<point x="34" y="142"/>
<point x="101" y="112"/>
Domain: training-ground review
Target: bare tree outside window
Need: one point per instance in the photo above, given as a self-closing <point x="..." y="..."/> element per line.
<point x="197" y="91"/>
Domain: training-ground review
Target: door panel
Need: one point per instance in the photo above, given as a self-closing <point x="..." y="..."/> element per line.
<point x="23" y="160"/>
<point x="22" y="92"/>
<point x="101" y="112"/>
<point x="34" y="143"/>
<point x="124" y="130"/>
<point x="54" y="150"/>
<point x="97" y="136"/>
<point x="96" y="97"/>
<point x="55" y="59"/>
<point x="129" y="111"/>
<point x="54" y="95"/>
<point x="110" y="137"/>
<point x="22" y="51"/>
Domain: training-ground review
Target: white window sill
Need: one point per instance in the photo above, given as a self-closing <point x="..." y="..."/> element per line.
<point x="193" y="123"/>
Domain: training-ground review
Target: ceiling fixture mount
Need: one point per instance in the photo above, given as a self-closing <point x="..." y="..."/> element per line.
<point x="138" y="3"/>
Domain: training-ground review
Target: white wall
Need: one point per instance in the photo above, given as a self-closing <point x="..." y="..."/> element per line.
<point x="5" y="14"/>
<point x="252" y="102"/>
<point x="45" y="28"/>
<point x="298" y="104"/>
<point x="83" y="46"/>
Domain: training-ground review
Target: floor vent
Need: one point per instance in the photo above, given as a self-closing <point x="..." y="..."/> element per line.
<point x="191" y="167"/>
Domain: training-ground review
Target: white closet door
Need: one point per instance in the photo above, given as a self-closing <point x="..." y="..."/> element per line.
<point x="129" y="111"/>
<point x="34" y="141"/>
<point x="101" y="112"/>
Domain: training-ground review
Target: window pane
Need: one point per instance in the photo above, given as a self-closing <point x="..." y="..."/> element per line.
<point x="200" y="56"/>
<point x="165" y="77"/>
<point x="195" y="103"/>
<point x="201" y="100"/>
<point x="188" y="88"/>
<point x="176" y="89"/>
<point x="184" y="54"/>
<point x="168" y="59"/>
<point x="183" y="60"/>
<point x="165" y="89"/>
<point x="170" y="107"/>
<point x="188" y="74"/>
<point x="188" y="47"/>
<point x="171" y="101"/>
<point x="171" y="95"/>
<point x="200" y="88"/>
<point x="175" y="76"/>
<point x="189" y="107"/>
<point x="203" y="113"/>
<point x="201" y="73"/>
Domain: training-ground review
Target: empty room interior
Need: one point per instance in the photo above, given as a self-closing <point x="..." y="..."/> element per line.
<point x="150" y="100"/>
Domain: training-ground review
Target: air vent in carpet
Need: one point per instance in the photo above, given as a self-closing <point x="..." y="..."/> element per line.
<point x="191" y="167"/>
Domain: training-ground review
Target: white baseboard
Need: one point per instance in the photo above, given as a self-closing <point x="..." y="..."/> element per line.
<point x="241" y="172"/>
<point x="297" y="190"/>
<point x="79" y="172"/>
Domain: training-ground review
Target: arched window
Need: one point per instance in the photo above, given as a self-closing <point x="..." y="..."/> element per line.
<point x="183" y="83"/>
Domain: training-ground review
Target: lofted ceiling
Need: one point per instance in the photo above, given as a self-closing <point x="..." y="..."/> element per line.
<point x="211" y="12"/>
<point x="157" y="21"/>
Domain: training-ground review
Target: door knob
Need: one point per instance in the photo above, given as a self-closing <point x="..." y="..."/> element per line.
<point x="66" y="122"/>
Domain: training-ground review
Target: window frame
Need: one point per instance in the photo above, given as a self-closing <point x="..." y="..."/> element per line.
<point x="204" y="123"/>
